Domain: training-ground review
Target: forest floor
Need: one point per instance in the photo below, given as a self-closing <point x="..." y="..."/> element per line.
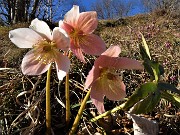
<point x="24" y="96"/>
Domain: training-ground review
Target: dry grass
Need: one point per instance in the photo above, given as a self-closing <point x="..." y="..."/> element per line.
<point x="22" y="100"/>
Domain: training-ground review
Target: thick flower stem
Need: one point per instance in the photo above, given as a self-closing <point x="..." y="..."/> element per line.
<point x="68" y="112"/>
<point x="78" y="116"/>
<point x="48" y="106"/>
<point x="107" y="113"/>
<point x="67" y="100"/>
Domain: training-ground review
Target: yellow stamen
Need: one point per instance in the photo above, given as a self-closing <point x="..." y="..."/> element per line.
<point x="109" y="74"/>
<point x="77" y="37"/>
<point x="45" y="51"/>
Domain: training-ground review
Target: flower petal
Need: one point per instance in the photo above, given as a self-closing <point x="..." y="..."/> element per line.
<point x="126" y="63"/>
<point x="72" y="15"/>
<point x="115" y="89"/>
<point x="42" y="28"/>
<point x="97" y="89"/>
<point x="99" y="105"/>
<point x="62" y="66"/>
<point x="24" y="37"/>
<point x="61" y="38"/>
<point x="112" y="51"/>
<point x="31" y="66"/>
<point x="63" y="25"/>
<point x="97" y="95"/>
<point x="92" y="76"/>
<point x="104" y="61"/>
<point x="93" y="45"/>
<point x="77" y="51"/>
<point x="118" y="63"/>
<point x="87" y="22"/>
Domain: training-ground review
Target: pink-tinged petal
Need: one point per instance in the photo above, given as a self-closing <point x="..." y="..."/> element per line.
<point x="92" y="76"/>
<point x="112" y="51"/>
<point x="97" y="94"/>
<point x="127" y="63"/>
<point x="97" y="89"/>
<point x="105" y="61"/>
<point x="93" y="45"/>
<point x="87" y="22"/>
<point x="115" y="89"/>
<point x="68" y="28"/>
<point x="118" y="63"/>
<point x="110" y="59"/>
<point x="62" y="66"/>
<point x="24" y="37"/>
<point x="61" y="38"/>
<point x="99" y="105"/>
<point x="78" y="53"/>
<point x="72" y="15"/>
<point x="42" y="28"/>
<point x="31" y="66"/>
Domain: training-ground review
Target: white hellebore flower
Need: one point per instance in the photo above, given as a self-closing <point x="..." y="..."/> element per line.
<point x="45" y="46"/>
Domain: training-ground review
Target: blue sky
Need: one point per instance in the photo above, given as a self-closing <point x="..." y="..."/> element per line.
<point x="61" y="9"/>
<point x="137" y="8"/>
<point x="67" y="5"/>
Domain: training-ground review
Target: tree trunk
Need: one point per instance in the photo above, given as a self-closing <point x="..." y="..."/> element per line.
<point x="34" y="9"/>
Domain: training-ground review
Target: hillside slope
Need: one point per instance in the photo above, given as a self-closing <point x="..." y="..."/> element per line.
<point x="162" y="33"/>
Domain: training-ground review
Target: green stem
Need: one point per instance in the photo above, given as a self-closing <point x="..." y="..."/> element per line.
<point x="78" y="116"/>
<point x="67" y="100"/>
<point x="48" y="106"/>
<point x="107" y="113"/>
<point x="68" y="112"/>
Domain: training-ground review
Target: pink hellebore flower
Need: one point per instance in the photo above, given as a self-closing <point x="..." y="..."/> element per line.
<point x="45" y="48"/>
<point x="103" y="79"/>
<point x="80" y="27"/>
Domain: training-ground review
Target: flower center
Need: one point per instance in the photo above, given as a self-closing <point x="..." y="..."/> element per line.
<point x="77" y="37"/>
<point x="109" y="74"/>
<point x="45" y="51"/>
<point x="47" y="48"/>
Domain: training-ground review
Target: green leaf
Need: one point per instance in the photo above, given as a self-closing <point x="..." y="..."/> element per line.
<point x="147" y="66"/>
<point x="155" y="68"/>
<point x="167" y="86"/>
<point x="143" y="53"/>
<point x="145" y="46"/>
<point x="175" y="99"/>
<point x="141" y="93"/>
<point x="147" y="104"/>
<point x="152" y="67"/>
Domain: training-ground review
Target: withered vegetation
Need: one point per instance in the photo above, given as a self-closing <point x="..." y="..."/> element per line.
<point x="22" y="98"/>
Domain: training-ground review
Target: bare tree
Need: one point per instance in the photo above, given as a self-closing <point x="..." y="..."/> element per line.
<point x="111" y="9"/>
<point x="13" y="11"/>
<point x="167" y="5"/>
<point x="98" y="7"/>
<point x="34" y="8"/>
<point x="120" y="8"/>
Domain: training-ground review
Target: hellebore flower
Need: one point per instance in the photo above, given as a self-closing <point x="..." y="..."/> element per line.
<point x="80" y="27"/>
<point x="103" y="79"/>
<point x="45" y="48"/>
